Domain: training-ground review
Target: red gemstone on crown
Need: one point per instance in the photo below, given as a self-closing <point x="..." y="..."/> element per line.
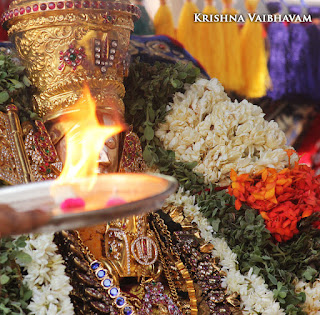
<point x="77" y="4"/>
<point x="128" y="7"/>
<point x="117" y="6"/>
<point x="43" y="6"/>
<point x="69" y="4"/>
<point x="51" y="5"/>
<point x="42" y="169"/>
<point x="35" y="8"/>
<point x="22" y="10"/>
<point x="11" y="14"/>
<point x="102" y="5"/>
<point x="16" y="12"/>
<point x="86" y="4"/>
<point x="60" y="5"/>
<point x="28" y="9"/>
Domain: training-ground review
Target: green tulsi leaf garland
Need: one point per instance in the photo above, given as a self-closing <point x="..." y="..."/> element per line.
<point x="149" y="90"/>
<point x="15" y="88"/>
<point x="14" y="294"/>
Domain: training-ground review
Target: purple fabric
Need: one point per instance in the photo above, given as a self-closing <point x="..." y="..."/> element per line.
<point x="298" y="57"/>
<point x="279" y="42"/>
<point x="314" y="12"/>
<point x="273" y="7"/>
<point x="295" y="9"/>
<point x="313" y="64"/>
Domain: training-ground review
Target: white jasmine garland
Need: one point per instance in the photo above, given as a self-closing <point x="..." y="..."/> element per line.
<point x="46" y="277"/>
<point x="253" y="291"/>
<point x="312" y="291"/>
<point x="206" y="127"/>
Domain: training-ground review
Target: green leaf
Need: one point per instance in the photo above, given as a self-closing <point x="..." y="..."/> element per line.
<point x="20" y="241"/>
<point x="152" y="114"/>
<point x="1" y="62"/>
<point x="310" y="273"/>
<point x="250" y="216"/>
<point x="215" y="224"/>
<point x="149" y="133"/>
<point x="176" y="83"/>
<point x="4" y="96"/>
<point x="147" y="155"/>
<point x="17" y="84"/>
<point x="183" y="75"/>
<point x="4" y="279"/>
<point x="34" y="116"/>
<point x="5" y="310"/>
<point x="3" y="258"/>
<point x="26" y="81"/>
<point x="24" y="257"/>
<point x="27" y="295"/>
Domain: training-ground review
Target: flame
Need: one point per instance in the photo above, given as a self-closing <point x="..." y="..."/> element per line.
<point x="84" y="141"/>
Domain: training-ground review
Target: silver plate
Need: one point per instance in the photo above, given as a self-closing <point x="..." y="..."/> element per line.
<point x="142" y="193"/>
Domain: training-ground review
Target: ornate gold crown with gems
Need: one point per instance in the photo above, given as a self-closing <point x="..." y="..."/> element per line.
<point x="64" y="44"/>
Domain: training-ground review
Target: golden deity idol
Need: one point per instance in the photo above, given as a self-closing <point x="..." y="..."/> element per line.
<point x="64" y="45"/>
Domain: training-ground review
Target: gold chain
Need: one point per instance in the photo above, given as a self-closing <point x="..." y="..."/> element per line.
<point x="161" y="247"/>
<point x="179" y="264"/>
<point x="85" y="250"/>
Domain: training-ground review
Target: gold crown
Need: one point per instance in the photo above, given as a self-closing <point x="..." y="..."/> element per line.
<point x="64" y="44"/>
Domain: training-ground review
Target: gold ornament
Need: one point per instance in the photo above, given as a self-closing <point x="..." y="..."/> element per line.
<point x="64" y="44"/>
<point x="14" y="166"/>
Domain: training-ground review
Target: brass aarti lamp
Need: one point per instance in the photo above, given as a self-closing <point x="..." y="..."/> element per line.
<point x="64" y="44"/>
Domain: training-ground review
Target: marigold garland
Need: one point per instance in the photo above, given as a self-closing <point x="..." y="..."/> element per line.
<point x="282" y="198"/>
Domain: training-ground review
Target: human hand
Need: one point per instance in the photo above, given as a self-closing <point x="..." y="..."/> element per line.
<point x="14" y="222"/>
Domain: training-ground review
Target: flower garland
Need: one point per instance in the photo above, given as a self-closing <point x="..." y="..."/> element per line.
<point x="228" y="258"/>
<point x="239" y="229"/>
<point x="254" y="293"/>
<point x="46" y="277"/>
<point x="206" y="127"/>
<point x="283" y="198"/>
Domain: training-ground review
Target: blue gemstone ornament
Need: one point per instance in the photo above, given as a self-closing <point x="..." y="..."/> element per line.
<point x="120" y="301"/>
<point x="127" y="310"/>
<point x="95" y="265"/>
<point x="101" y="274"/>
<point x="114" y="292"/>
<point x="107" y="283"/>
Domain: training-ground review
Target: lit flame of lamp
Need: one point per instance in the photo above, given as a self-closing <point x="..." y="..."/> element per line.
<point x="84" y="141"/>
<point x="79" y="197"/>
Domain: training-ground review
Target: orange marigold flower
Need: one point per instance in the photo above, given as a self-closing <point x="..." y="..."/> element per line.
<point x="238" y="204"/>
<point x="282" y="198"/>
